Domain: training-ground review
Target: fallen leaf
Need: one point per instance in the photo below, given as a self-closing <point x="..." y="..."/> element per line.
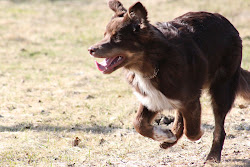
<point x="101" y="141"/>
<point x="76" y="142"/>
<point x="242" y="106"/>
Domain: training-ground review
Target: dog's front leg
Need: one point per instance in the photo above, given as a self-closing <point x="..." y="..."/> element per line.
<point x="177" y="129"/>
<point x="143" y="125"/>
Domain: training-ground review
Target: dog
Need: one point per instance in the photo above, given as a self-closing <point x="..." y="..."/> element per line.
<point x="168" y="66"/>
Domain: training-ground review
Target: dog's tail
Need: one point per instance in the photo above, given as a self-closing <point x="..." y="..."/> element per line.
<point x="244" y="84"/>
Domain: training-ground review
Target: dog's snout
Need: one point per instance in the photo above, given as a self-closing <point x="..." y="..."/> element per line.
<point x="91" y="50"/>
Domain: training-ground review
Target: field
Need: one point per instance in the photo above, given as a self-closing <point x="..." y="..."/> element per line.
<point x="51" y="91"/>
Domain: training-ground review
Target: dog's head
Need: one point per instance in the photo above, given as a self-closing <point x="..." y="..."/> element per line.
<point x="124" y="39"/>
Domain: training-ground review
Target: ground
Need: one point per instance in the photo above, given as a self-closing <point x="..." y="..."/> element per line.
<point x="51" y="91"/>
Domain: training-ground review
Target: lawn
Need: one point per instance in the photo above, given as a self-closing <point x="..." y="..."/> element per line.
<point x="51" y="91"/>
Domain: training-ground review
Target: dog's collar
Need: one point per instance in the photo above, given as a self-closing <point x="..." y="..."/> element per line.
<point x="156" y="70"/>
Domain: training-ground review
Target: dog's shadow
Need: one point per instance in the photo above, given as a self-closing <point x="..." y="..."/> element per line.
<point x="97" y="129"/>
<point x="242" y="162"/>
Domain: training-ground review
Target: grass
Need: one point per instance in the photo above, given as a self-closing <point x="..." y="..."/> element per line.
<point x="52" y="93"/>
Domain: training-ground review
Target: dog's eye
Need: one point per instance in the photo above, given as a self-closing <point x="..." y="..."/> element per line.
<point x="116" y="38"/>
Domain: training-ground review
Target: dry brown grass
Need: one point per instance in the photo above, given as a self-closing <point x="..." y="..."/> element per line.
<point x="51" y="92"/>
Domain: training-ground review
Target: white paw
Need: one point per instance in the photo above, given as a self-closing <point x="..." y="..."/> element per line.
<point x="163" y="135"/>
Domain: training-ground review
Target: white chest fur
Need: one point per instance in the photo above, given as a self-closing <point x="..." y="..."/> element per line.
<point x="153" y="99"/>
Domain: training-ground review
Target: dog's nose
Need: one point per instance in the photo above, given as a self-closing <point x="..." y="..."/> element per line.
<point x="91" y="50"/>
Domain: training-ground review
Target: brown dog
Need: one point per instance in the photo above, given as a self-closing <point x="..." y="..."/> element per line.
<point x="168" y="65"/>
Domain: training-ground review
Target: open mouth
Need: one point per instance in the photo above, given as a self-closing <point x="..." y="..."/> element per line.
<point x="108" y="64"/>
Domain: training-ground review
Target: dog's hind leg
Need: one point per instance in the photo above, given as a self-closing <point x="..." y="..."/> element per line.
<point x="223" y="95"/>
<point x="143" y="125"/>
<point x="177" y="129"/>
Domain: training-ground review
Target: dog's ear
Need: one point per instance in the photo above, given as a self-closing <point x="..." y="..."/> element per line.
<point x="138" y="12"/>
<point x="117" y="7"/>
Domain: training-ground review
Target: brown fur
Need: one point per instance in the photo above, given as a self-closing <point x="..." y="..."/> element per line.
<point x="244" y="87"/>
<point x="173" y="62"/>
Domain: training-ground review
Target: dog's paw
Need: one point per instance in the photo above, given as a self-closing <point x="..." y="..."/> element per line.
<point x="163" y="135"/>
<point x="166" y="145"/>
<point x="213" y="157"/>
<point x="195" y="137"/>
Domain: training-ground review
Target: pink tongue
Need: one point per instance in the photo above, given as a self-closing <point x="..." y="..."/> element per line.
<point x="100" y="66"/>
<point x="104" y="64"/>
